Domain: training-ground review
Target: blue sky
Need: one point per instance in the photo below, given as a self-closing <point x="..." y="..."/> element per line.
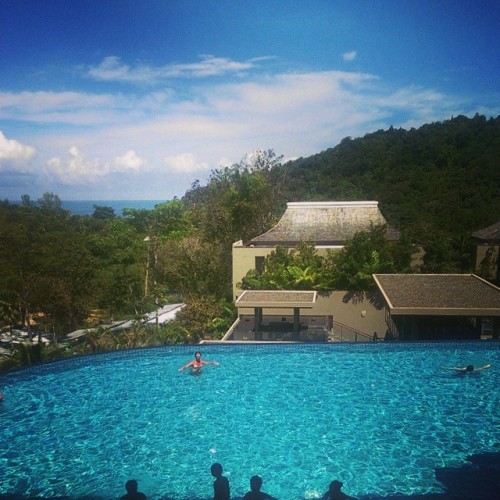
<point x="122" y="99"/>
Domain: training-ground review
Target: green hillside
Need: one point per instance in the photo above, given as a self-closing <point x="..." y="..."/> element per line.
<point x="442" y="177"/>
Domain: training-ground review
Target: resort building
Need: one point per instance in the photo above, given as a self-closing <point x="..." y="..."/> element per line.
<point x="405" y="306"/>
<point x="440" y="306"/>
<point x="288" y="315"/>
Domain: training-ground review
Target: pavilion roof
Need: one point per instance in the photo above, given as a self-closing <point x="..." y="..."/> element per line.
<point x="439" y="294"/>
<point x="323" y="223"/>
<point x="277" y="298"/>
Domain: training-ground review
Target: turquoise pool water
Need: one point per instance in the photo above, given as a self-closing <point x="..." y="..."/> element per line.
<point x="379" y="417"/>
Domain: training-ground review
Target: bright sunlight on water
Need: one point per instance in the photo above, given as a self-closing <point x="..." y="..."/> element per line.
<point x="379" y="417"/>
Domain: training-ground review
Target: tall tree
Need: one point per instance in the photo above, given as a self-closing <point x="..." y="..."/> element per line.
<point x="50" y="201"/>
<point x="103" y="212"/>
<point x="368" y="253"/>
<point x="239" y="202"/>
<point x="121" y="253"/>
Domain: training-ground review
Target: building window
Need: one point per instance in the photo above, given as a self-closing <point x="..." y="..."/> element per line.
<point x="259" y="264"/>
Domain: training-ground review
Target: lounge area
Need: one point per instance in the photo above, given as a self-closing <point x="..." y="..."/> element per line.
<point x="281" y="328"/>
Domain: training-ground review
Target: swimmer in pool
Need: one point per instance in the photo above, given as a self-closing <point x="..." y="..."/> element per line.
<point x="468" y="368"/>
<point x="197" y="363"/>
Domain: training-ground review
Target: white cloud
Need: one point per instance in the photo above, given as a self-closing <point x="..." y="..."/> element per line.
<point x="46" y="101"/>
<point x="13" y="153"/>
<point x="288" y="92"/>
<point x="77" y="169"/>
<point x="95" y="137"/>
<point x="79" y="108"/>
<point x="185" y="163"/>
<point x="236" y="115"/>
<point x="349" y="56"/>
<point x="112" y="69"/>
<point x="129" y="161"/>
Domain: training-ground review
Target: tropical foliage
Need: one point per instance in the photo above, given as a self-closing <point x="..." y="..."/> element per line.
<point x="350" y="268"/>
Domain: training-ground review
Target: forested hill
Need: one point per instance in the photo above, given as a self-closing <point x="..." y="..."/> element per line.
<point x="442" y="177"/>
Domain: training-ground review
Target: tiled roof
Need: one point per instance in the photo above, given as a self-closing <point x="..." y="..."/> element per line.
<point x="489" y="234"/>
<point x="323" y="223"/>
<point x="276" y="298"/>
<point x="429" y="294"/>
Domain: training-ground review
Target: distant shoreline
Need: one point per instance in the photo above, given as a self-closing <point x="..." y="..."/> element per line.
<point x="86" y="207"/>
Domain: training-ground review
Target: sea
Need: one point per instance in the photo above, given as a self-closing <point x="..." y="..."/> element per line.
<point x="86" y="207"/>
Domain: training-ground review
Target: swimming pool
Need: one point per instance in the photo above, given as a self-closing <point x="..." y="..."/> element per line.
<point x="379" y="417"/>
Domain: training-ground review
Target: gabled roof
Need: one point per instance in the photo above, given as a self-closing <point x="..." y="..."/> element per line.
<point x="439" y="294"/>
<point x="323" y="223"/>
<point x="490" y="234"/>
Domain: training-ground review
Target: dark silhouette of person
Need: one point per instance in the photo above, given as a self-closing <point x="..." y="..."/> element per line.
<point x="468" y="368"/>
<point x="221" y="483"/>
<point x="255" y="493"/>
<point x="132" y="491"/>
<point x="335" y="492"/>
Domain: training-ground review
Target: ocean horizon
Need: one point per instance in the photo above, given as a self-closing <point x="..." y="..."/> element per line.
<point x="86" y="207"/>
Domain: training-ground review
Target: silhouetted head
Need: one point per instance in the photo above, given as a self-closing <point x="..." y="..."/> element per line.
<point x="255" y="483"/>
<point x="469" y="368"/>
<point x="335" y="485"/>
<point x="131" y="486"/>
<point x="216" y="470"/>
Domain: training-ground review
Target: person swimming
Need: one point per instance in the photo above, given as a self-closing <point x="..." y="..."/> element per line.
<point x="197" y="363"/>
<point x="468" y="368"/>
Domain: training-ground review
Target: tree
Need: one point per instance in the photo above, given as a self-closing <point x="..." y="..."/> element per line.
<point x="121" y="259"/>
<point x="50" y="201"/>
<point x="103" y="212"/>
<point x="489" y="263"/>
<point x="206" y="317"/>
<point x="166" y="223"/>
<point x="62" y="289"/>
<point x="47" y="270"/>
<point x="294" y="269"/>
<point x="351" y="268"/>
<point x="26" y="201"/>
<point x="238" y="202"/>
<point x="440" y="255"/>
<point x="192" y="267"/>
<point x="368" y="253"/>
<point x="172" y="221"/>
<point x="19" y="240"/>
